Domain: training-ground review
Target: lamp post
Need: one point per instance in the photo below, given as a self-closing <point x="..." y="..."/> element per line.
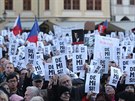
<point x="38" y="10"/>
<point x="4" y="15"/>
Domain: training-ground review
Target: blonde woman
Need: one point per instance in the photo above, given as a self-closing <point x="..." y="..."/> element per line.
<point x="3" y="96"/>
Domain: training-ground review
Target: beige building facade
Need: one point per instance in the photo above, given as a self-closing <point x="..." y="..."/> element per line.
<point x="56" y="10"/>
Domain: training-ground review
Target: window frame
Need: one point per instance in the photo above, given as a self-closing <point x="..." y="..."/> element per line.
<point x="47" y="4"/>
<point x="94" y="5"/>
<point x="71" y="5"/>
<point x="8" y="4"/>
<point x="27" y="5"/>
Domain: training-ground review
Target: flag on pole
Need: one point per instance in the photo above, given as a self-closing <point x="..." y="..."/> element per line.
<point x="17" y="29"/>
<point x="101" y="28"/>
<point x="105" y="24"/>
<point x="33" y="35"/>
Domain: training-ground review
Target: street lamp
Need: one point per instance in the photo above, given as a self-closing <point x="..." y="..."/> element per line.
<point x="4" y="15"/>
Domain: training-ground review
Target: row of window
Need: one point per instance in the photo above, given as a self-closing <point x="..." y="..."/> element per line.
<point x="68" y="5"/>
<point x="132" y="2"/>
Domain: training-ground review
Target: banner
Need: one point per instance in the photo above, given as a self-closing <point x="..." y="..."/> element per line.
<point x="101" y="41"/>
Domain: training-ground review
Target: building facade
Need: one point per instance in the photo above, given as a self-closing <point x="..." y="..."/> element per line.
<point x="56" y="10"/>
<point x="122" y="10"/>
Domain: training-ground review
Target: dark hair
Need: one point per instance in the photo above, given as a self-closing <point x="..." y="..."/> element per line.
<point x="127" y="96"/>
<point x="103" y="95"/>
<point x="11" y="76"/>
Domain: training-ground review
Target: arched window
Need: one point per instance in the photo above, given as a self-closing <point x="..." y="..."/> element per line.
<point x="8" y="4"/>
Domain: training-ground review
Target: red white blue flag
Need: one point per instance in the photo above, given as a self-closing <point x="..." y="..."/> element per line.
<point x="101" y="28"/>
<point x="17" y="29"/>
<point x="33" y="35"/>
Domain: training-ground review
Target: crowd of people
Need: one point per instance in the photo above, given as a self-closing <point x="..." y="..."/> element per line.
<point x="24" y="85"/>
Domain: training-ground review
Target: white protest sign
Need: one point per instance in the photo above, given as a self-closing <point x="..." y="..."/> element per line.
<point x="82" y="74"/>
<point x="39" y="67"/>
<point x="57" y="30"/>
<point x="13" y="59"/>
<point x="4" y="32"/>
<point x="113" y="34"/>
<point x="69" y="51"/>
<point x="76" y="49"/>
<point x="78" y="62"/>
<point x="47" y="50"/>
<point x="121" y="35"/>
<point x="89" y="40"/>
<point x="124" y="63"/>
<point x="107" y="53"/>
<point x="62" y="47"/>
<point x="115" y="76"/>
<point x="92" y="83"/>
<point x="104" y="65"/>
<point x="40" y="47"/>
<point x="83" y="50"/>
<point x="130" y="78"/>
<point x="55" y="50"/>
<point x="129" y="49"/>
<point x="116" y="53"/>
<point x="11" y="36"/>
<point x="13" y="47"/>
<point x="101" y="41"/>
<point x="49" y="71"/>
<point x="20" y="64"/>
<point x="59" y="63"/>
<point x="30" y="55"/>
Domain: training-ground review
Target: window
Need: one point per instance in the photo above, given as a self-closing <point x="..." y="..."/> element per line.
<point x="8" y="4"/>
<point x="94" y="5"/>
<point x="119" y="2"/>
<point x="89" y="4"/>
<point x="72" y="4"/>
<point x="47" y="7"/>
<point x="98" y="4"/>
<point x="132" y="2"/>
<point x="26" y="4"/>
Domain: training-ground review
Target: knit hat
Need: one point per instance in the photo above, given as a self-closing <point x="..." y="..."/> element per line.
<point x="61" y="90"/>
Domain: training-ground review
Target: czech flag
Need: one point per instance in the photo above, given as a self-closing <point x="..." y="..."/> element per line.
<point x="101" y="28"/>
<point x="17" y="29"/>
<point x="33" y="35"/>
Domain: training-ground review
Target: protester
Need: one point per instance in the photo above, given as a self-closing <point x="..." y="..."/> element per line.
<point x="12" y="81"/>
<point x="31" y="91"/>
<point x="37" y="81"/>
<point x="37" y="98"/>
<point x="15" y="97"/>
<point x="3" y="96"/>
<point x="126" y="96"/>
<point x="9" y="68"/>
